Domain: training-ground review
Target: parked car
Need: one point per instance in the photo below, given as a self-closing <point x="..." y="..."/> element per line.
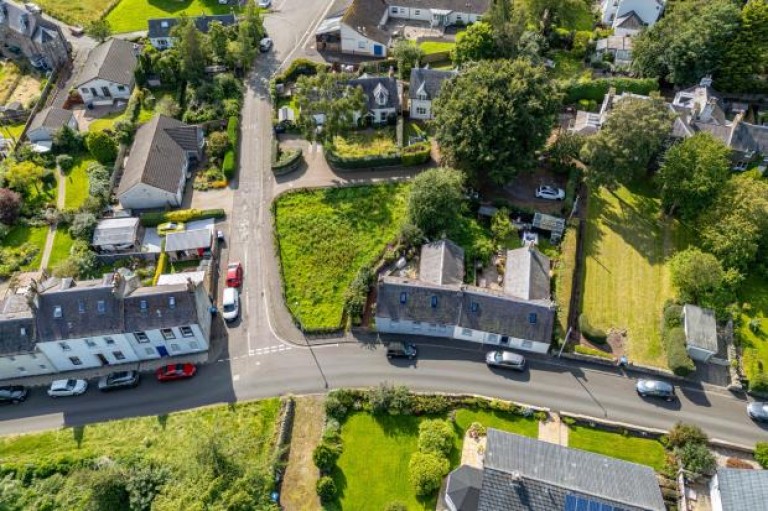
<point x="64" y="388"/>
<point x="266" y="44"/>
<point x="758" y="411"/>
<point x="505" y="360"/>
<point x="234" y="274"/>
<point x="220" y="236"/>
<point x="230" y="305"/>
<point x="77" y="31"/>
<point x="265" y="4"/>
<point x="550" y="193"/>
<point x="175" y="372"/>
<point x="33" y="8"/>
<point x="119" y="380"/>
<point x="655" y="388"/>
<point x="402" y="350"/>
<point x="13" y="395"/>
<point x="169" y="227"/>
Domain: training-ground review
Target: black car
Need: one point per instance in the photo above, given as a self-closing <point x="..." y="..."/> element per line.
<point x="758" y="411"/>
<point x="121" y="380"/>
<point x="655" y="388"/>
<point x="402" y="350"/>
<point x="14" y="395"/>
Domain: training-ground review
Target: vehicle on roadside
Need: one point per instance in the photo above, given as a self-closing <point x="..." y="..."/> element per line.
<point x="550" y="193"/>
<point x="230" y="304"/>
<point x="77" y="31"/>
<point x="758" y="411"/>
<point x="234" y="274"/>
<point x="175" y="372"/>
<point x="14" y="394"/>
<point x="655" y="388"/>
<point x="265" y="4"/>
<point x="220" y="236"/>
<point x="505" y="360"/>
<point x="402" y="350"/>
<point x="266" y="44"/>
<point x="119" y="380"/>
<point x="66" y="388"/>
<point x="33" y="8"/>
<point x="169" y="227"/>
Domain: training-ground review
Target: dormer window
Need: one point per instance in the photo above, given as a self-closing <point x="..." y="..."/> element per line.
<point x="381" y="95"/>
<point x="474" y="306"/>
<point x="143" y="305"/>
<point x="532" y="318"/>
<point x="172" y="302"/>
<point x="57" y="311"/>
<point x="101" y="307"/>
<point x="81" y="307"/>
<point x="403" y="297"/>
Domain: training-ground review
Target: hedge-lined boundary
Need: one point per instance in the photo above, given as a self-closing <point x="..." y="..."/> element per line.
<point x="179" y="215"/>
<point x="415" y="154"/>
<point x="289" y="164"/>
<point x="595" y="90"/>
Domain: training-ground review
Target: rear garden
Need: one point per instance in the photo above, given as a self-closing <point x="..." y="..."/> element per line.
<point x="753" y="325"/>
<point x="81" y="12"/>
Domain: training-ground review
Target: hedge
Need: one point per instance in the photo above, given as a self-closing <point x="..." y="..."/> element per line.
<point x="591" y="333"/>
<point x="595" y="90"/>
<point x="288" y="164"/>
<point x="179" y="215"/>
<point x="411" y="155"/>
<point x="297" y="68"/>
<point x="162" y="262"/>
<point x="677" y="358"/>
<point x="229" y="165"/>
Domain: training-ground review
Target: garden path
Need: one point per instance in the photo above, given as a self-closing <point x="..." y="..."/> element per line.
<point x="553" y="431"/>
<point x="61" y="190"/>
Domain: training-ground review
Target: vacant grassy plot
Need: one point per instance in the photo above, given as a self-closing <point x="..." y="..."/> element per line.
<point x="637" y="450"/>
<point x="325" y="237"/>
<point x="28" y="88"/>
<point x="9" y="73"/>
<point x="429" y="47"/>
<point x="76" y="189"/>
<point x="754" y="291"/>
<point x="564" y="270"/>
<point x="75" y="13"/>
<point x="22" y="234"/>
<point x="626" y="279"/>
<point x="366" y="143"/>
<point x="209" y="459"/>
<point x="132" y="15"/>
<point x="62" y="244"/>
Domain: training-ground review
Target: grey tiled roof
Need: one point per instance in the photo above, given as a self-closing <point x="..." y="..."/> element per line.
<point x="750" y="137"/>
<point x="369" y="84"/>
<point x="429" y="81"/>
<point x="630" y="21"/>
<point x="463" y="488"/>
<point x="17" y="326"/>
<point x="51" y="117"/>
<point x="505" y="315"/>
<point x="149" y="308"/>
<point x="364" y="17"/>
<point x="112" y="60"/>
<point x="700" y="328"/>
<point x="188" y="240"/>
<point x="115" y="231"/>
<point x="18" y="18"/>
<point x="743" y="489"/>
<point x="418" y="301"/>
<point x="527" y="274"/>
<point x="161" y="27"/>
<point x="442" y="262"/>
<point x="468" y="6"/>
<point x="158" y="154"/>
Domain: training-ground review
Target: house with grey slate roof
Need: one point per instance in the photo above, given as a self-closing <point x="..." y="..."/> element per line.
<point x="524" y="474"/>
<point x="425" y="85"/>
<point x="628" y="17"/>
<point x="159" y="29"/>
<point x="734" y="489"/>
<point x="162" y="156"/>
<point x="29" y="34"/>
<point x="382" y="95"/>
<point x="47" y="122"/>
<point x="107" y="75"/>
<point x="438" y="304"/>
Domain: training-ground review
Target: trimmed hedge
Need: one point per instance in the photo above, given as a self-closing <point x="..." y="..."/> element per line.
<point x="411" y="155"/>
<point x="677" y="358"/>
<point x="595" y="90"/>
<point x="179" y="215"/>
<point x="228" y="165"/>
<point x="288" y="164"/>
<point x="232" y="131"/>
<point x="298" y="68"/>
<point x="591" y="333"/>
<point x="162" y="262"/>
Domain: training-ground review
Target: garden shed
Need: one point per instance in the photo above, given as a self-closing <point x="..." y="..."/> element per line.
<point x="555" y="225"/>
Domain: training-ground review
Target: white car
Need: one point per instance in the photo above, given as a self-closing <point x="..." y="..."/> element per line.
<point x="230" y="304"/>
<point x="265" y="4"/>
<point x="265" y="45"/>
<point x="63" y="388"/>
<point x="550" y="193"/>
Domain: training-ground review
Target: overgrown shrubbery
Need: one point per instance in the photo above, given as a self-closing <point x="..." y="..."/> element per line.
<point x="14" y="258"/>
<point x="426" y="472"/>
<point x="689" y="443"/>
<point x="326" y="489"/>
<point x="590" y="332"/>
<point x="436" y="436"/>
<point x="394" y="400"/>
<point x="357" y="294"/>
<point x="595" y="90"/>
<point x="673" y="337"/>
<point x="761" y="454"/>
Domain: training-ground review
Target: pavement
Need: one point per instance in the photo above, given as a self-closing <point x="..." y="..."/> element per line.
<point x="263" y="354"/>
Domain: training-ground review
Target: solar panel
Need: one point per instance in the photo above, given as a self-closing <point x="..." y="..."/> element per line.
<point x="579" y="503"/>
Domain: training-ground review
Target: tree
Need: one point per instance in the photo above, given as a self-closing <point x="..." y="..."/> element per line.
<point x="190" y="48"/>
<point x="682" y="433"/>
<point x="700" y="278"/>
<point x="426" y="472"/>
<point x="548" y="13"/>
<point x="99" y="30"/>
<point x="328" y="95"/>
<point x="10" y="205"/>
<point x="21" y="175"/>
<point x="689" y="42"/>
<point x="697" y="458"/>
<point x="67" y="140"/>
<point x="491" y="119"/>
<point x="168" y="106"/>
<point x="746" y="59"/>
<point x="435" y="200"/>
<point x="326" y="489"/>
<point x="436" y="436"/>
<point x="218" y="143"/>
<point x="692" y="174"/>
<point x="325" y="456"/>
<point x="83" y="225"/>
<point x="407" y="54"/>
<point x="501" y="227"/>
<point x="65" y="162"/>
<point x="631" y="137"/>
<point x="107" y="490"/>
<point x="761" y="454"/>
<point x="508" y="21"/>
<point x="565" y="151"/>
<point x="475" y="43"/>
<point x="218" y="40"/>
<point x="101" y="146"/>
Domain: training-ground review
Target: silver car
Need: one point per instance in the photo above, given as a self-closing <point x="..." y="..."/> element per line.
<point x="505" y="360"/>
<point x="758" y="411"/>
<point x="550" y="193"/>
<point x="63" y="388"/>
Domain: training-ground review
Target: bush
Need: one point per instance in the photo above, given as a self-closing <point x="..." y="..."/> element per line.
<point x="326" y="489"/>
<point x="592" y="352"/>
<point x="83" y="225"/>
<point x="682" y="434"/>
<point x="162" y="262"/>
<point x="180" y="215"/>
<point x="673" y="316"/>
<point x="10" y="205"/>
<point x="325" y="456"/>
<point x="340" y="402"/>
<point x="696" y="458"/>
<point x="65" y="162"/>
<point x="759" y="383"/>
<point x="228" y="166"/>
<point x="436" y="436"/>
<point x="761" y="454"/>
<point x="677" y="358"/>
<point x="595" y="90"/>
<point x="591" y="333"/>
<point x="233" y="124"/>
<point x="390" y="399"/>
<point x="426" y="472"/>
<point x="101" y="146"/>
<point x="429" y="405"/>
<point x="218" y="143"/>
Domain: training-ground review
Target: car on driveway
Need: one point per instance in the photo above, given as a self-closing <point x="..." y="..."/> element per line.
<point x="234" y="274"/>
<point x="402" y="350"/>
<point x="230" y="305"/>
<point x="169" y="227"/>
<point x="119" y="380"/>
<point x="65" y="388"/>
<point x="175" y="372"/>
<point x="655" y="388"/>
<point x="265" y="4"/>
<point x="758" y="411"/>
<point x="505" y="360"/>
<point x="14" y="394"/>
<point x="550" y="193"/>
<point x="266" y="44"/>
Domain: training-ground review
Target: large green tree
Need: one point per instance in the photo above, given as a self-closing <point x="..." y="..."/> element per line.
<point x="491" y="119"/>
<point x="218" y="41"/>
<point x="547" y="13"/>
<point x="508" y="21"/>
<point x="329" y="95"/>
<point x="407" y="54"/>
<point x="475" y="43"/>
<point x="692" y="173"/>
<point x="191" y="50"/>
<point x="700" y="278"/>
<point x="435" y="200"/>
<point x="20" y="176"/>
<point x="99" y="30"/>
<point x="746" y="60"/>
<point x="632" y="135"/>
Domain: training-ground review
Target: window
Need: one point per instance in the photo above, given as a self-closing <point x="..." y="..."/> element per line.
<point x="194" y="346"/>
<point x="172" y="302"/>
<point x="144" y="306"/>
<point x="458" y="17"/>
<point x="403" y="297"/>
<point x="167" y="334"/>
<point x="57" y="311"/>
<point x="118" y="355"/>
<point x="361" y="44"/>
<point x="527" y="344"/>
<point x="22" y="369"/>
<point x="90" y="343"/>
<point x="434" y="301"/>
<point x="121" y="88"/>
<point x="466" y="332"/>
<point x="84" y="90"/>
<point x="394" y="10"/>
<point x="474" y="306"/>
<point x="64" y="346"/>
<point x="109" y="341"/>
<point x="417" y="325"/>
<point x="76" y="361"/>
<point x="141" y="337"/>
<point x="493" y="338"/>
<point x="532" y="318"/>
<point x="186" y="331"/>
<point x="741" y="165"/>
<point x="149" y="351"/>
<point x="417" y="12"/>
<point x="81" y="307"/>
<point x="402" y="10"/>
<point x="43" y="366"/>
<point x="420" y="110"/>
<point x="23" y="332"/>
<point x="175" y="347"/>
<point x="101" y="306"/>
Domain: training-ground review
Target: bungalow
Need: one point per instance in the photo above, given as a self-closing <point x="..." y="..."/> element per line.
<point x="733" y="489"/>
<point x="107" y="74"/>
<point x="160" y="29"/>
<point x="424" y="87"/>
<point x="117" y="235"/>
<point x="163" y="154"/>
<point x="46" y="123"/>
<point x="700" y="333"/>
<point x="628" y="17"/>
<point x="29" y="34"/>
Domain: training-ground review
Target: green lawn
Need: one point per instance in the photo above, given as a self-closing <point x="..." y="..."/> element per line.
<point x="106" y="122"/>
<point x="504" y="421"/>
<point x="628" y="448"/>
<point x="377" y="142"/>
<point x="567" y="65"/>
<point x="626" y="280"/>
<point x="132" y="15"/>
<point x="429" y="47"/>
<point x="77" y="186"/>
<point x="13" y="130"/>
<point x="22" y="234"/>
<point x="236" y="441"/>
<point x="326" y="236"/>
<point x="80" y="12"/>
<point x="62" y="244"/>
<point x="180" y="266"/>
<point x="754" y="291"/>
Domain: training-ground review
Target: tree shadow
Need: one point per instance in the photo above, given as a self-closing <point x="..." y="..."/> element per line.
<point x="78" y="433"/>
<point x="398" y="425"/>
<point x="162" y="419"/>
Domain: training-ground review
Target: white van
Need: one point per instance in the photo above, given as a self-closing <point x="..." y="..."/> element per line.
<point x="230" y="304"/>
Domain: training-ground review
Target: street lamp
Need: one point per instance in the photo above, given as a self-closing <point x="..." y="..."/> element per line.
<point x="309" y="345"/>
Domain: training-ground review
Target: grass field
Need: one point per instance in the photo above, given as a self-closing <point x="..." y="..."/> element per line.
<point x="75" y="13"/>
<point x="9" y="73"/>
<point x="563" y="281"/>
<point x="211" y="458"/>
<point x="106" y="122"/>
<point x="76" y="189"/>
<point x="628" y="448"/>
<point x="754" y="291"/>
<point x="132" y="15"/>
<point x="626" y="279"/>
<point x="504" y="421"/>
<point x="429" y="47"/>
<point x="22" y="234"/>
<point x="325" y="237"/>
<point x="62" y="244"/>
<point x="378" y="142"/>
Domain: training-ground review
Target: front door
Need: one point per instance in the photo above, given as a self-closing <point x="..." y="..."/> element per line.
<point x="378" y="50"/>
<point x="162" y="351"/>
<point x="102" y="359"/>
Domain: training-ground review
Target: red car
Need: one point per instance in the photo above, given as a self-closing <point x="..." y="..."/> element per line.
<point x="175" y="372"/>
<point x="234" y="275"/>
